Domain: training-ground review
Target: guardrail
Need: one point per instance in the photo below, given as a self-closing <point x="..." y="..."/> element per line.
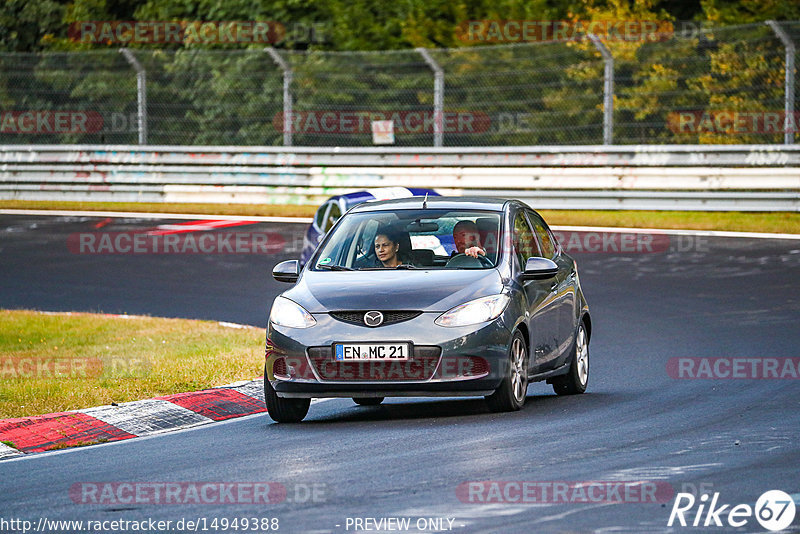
<point x="689" y="177"/>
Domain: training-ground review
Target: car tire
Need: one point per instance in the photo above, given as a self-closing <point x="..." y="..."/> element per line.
<point x="510" y="396"/>
<point x="576" y="379"/>
<point x="283" y="410"/>
<point x="368" y="401"/>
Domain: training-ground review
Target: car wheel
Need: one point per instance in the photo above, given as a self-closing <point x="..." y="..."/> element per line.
<point x="510" y="396"/>
<point x="575" y="380"/>
<point x="368" y="401"/>
<point x="284" y="410"/>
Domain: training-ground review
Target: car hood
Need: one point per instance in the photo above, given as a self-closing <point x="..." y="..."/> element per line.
<point x="428" y="290"/>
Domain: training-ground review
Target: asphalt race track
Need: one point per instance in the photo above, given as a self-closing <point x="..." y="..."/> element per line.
<point x="413" y="458"/>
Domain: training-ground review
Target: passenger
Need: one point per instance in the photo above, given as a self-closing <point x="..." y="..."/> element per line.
<point x="467" y="239"/>
<point x="387" y="249"/>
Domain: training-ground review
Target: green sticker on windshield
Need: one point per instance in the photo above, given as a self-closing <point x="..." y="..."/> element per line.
<point x="324" y="261"/>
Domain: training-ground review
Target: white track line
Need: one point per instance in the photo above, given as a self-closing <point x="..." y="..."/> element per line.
<point x="307" y="220"/>
<point x="702" y="233"/>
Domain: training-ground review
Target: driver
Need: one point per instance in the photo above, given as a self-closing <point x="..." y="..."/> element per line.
<point x="467" y="239"/>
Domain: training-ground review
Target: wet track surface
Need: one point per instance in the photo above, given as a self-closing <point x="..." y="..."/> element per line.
<point x="708" y="297"/>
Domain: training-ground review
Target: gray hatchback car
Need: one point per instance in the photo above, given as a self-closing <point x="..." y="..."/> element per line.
<point x="428" y="297"/>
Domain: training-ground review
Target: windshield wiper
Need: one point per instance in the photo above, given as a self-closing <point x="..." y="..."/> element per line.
<point x="405" y="266"/>
<point x="333" y="268"/>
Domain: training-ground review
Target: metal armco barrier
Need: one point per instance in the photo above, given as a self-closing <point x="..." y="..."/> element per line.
<point x="718" y="177"/>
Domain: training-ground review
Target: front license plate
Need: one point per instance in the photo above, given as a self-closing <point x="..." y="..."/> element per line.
<point x="355" y="352"/>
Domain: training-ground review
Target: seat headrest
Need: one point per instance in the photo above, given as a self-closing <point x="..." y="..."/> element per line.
<point x="423" y="256"/>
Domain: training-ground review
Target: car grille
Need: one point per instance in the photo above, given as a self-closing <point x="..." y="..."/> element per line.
<point x="389" y="317"/>
<point x="420" y="366"/>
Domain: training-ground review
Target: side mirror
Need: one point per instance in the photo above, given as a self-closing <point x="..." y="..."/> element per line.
<point x="287" y="271"/>
<point x="539" y="269"/>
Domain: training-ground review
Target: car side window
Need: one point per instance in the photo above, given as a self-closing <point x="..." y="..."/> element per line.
<point x="543" y="234"/>
<point x="333" y="216"/>
<point x="525" y="244"/>
<point x="319" y="218"/>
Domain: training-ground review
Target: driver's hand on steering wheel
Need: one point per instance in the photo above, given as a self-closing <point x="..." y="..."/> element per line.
<point x="474" y="251"/>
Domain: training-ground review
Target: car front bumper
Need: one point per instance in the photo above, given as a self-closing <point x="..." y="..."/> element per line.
<point x="445" y="361"/>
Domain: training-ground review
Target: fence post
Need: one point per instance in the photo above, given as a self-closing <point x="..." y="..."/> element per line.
<point x="788" y="104"/>
<point x="287" y="94"/>
<point x="438" y="97"/>
<point x="608" y="90"/>
<point x="141" y="93"/>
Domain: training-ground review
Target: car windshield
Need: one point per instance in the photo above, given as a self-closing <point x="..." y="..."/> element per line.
<point x="412" y="239"/>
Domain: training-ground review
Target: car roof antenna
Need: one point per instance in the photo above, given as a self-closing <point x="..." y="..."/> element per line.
<point x="425" y="202"/>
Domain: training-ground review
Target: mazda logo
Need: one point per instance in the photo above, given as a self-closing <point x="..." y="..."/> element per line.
<point x="373" y="318"/>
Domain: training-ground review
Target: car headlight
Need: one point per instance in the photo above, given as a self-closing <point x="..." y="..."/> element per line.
<point x="475" y="311"/>
<point x="288" y="313"/>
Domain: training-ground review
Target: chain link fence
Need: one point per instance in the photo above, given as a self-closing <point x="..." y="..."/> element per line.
<point x="723" y="85"/>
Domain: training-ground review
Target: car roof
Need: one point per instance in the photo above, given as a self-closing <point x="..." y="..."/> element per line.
<point x="461" y="203"/>
<point x="383" y="193"/>
<point x="355" y="198"/>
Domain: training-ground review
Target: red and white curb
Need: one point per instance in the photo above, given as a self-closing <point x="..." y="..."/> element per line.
<point x="129" y="419"/>
<point x="8" y="452"/>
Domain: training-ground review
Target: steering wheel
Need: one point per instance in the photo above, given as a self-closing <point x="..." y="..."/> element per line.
<point x="462" y="260"/>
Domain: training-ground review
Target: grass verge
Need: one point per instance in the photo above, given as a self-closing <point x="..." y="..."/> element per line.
<point x="772" y="222"/>
<point x="731" y="221"/>
<point x="56" y="362"/>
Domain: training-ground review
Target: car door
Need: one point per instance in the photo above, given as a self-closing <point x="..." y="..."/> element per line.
<point x="565" y="284"/>
<point x="542" y="317"/>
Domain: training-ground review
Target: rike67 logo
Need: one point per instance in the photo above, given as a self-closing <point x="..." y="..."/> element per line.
<point x="774" y="510"/>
